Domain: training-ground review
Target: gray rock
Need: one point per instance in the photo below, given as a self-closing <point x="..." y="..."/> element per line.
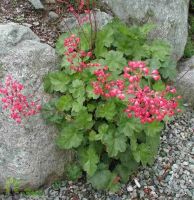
<point x="50" y="1"/>
<point x="101" y="18"/>
<point x="37" y="4"/>
<point x="185" y="80"/>
<point x="170" y="18"/>
<point x="53" y="15"/>
<point x="27" y="152"/>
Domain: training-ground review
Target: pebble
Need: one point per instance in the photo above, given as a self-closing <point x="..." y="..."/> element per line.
<point x="37" y="4"/>
<point x="35" y="23"/>
<point x="185" y="163"/>
<point x="53" y="15"/>
<point x="129" y="188"/>
<point x="26" y="24"/>
<point x="137" y="183"/>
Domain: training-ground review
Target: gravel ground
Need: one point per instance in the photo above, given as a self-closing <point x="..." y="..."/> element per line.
<point x="170" y="178"/>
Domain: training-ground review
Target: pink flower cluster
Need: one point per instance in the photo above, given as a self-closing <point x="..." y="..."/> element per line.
<point x="107" y="88"/>
<point x="14" y="101"/>
<point x="75" y="56"/>
<point x="142" y="102"/>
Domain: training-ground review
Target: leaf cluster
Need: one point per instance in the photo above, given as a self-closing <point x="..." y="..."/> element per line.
<point x="109" y="146"/>
<point x="132" y="43"/>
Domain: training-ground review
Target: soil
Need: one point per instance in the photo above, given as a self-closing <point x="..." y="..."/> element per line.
<point x="22" y="12"/>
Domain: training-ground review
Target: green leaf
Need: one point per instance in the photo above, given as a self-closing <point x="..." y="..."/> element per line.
<point x="60" y="44"/>
<point x="102" y="130"/>
<point x="160" y="50"/>
<point x="104" y="39"/>
<point x="59" y="81"/>
<point x="12" y="183"/>
<point x="69" y="138"/>
<point x="126" y="171"/>
<point x="83" y="120"/>
<point x="123" y="172"/>
<point x="129" y="125"/>
<point x="115" y="61"/>
<point x="104" y="180"/>
<point x="153" y="128"/>
<point x="85" y="37"/>
<point x="114" y="184"/>
<point x="106" y="110"/>
<point x="74" y="172"/>
<point x="77" y="88"/>
<point x="145" y="154"/>
<point x="89" y="160"/>
<point x="169" y="73"/>
<point x="154" y="63"/>
<point x="127" y="165"/>
<point x="50" y="114"/>
<point x="91" y="107"/>
<point x="93" y="136"/>
<point x="100" y="179"/>
<point x="137" y="156"/>
<point x="133" y="142"/>
<point x="147" y="28"/>
<point x="77" y="106"/>
<point x="159" y="86"/>
<point x="114" y="141"/>
<point x="64" y="103"/>
<point x="153" y="143"/>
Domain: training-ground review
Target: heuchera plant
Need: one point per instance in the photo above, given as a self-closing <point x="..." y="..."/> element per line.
<point x="108" y="110"/>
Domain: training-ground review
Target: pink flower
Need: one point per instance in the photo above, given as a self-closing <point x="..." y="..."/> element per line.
<point x="15" y="102"/>
<point x="144" y="103"/>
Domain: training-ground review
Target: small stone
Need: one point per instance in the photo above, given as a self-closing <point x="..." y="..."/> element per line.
<point x="174" y="167"/>
<point x="192" y="168"/>
<point x="192" y="120"/>
<point x="191" y="160"/>
<point x="35" y="23"/>
<point x="164" y="137"/>
<point x="129" y="188"/>
<point x="189" y="193"/>
<point x="192" y="152"/>
<point x="141" y="194"/>
<point x="146" y="174"/>
<point x="50" y="1"/>
<point x="183" y="134"/>
<point x="26" y="24"/>
<point x="192" y="139"/>
<point x="137" y="183"/>
<point x="185" y="163"/>
<point x="53" y="15"/>
<point x="37" y="4"/>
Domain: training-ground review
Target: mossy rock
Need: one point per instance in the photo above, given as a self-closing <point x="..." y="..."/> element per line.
<point x="189" y="49"/>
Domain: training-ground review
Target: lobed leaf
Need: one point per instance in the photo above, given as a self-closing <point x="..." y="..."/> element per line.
<point x="69" y="138"/>
<point x="89" y="160"/>
<point x="106" y="110"/>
